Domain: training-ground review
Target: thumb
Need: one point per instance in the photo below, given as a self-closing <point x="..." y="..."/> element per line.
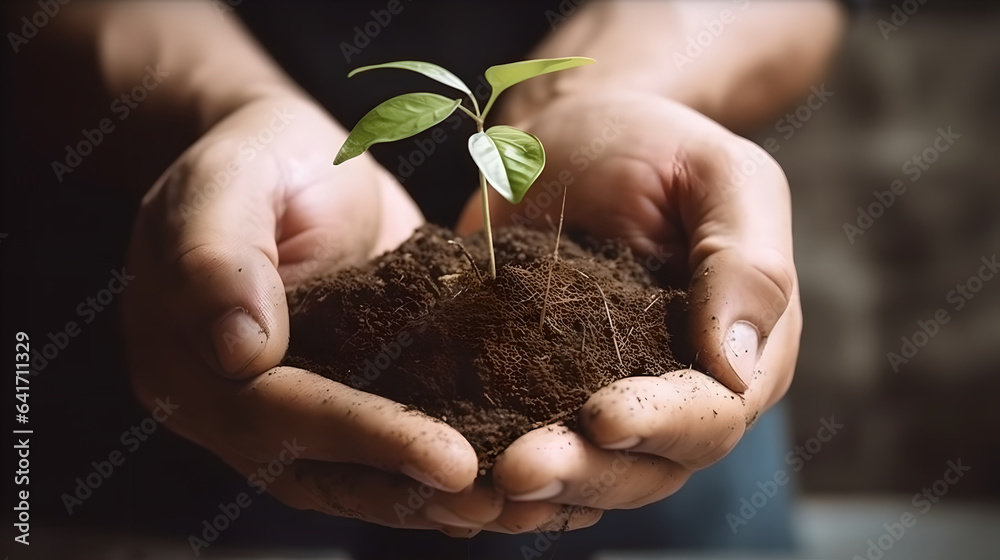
<point x="227" y="228"/>
<point x="736" y="300"/>
<point x="216" y="254"/>
<point x="741" y="257"/>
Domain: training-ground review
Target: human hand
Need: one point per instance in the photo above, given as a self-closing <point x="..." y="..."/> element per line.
<point x="670" y="182"/>
<point x="253" y="207"/>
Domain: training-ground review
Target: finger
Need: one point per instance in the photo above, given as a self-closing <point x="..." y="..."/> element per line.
<point x="558" y="465"/>
<point x="289" y="408"/>
<point x="220" y="277"/>
<point x="737" y="212"/>
<point x="293" y="413"/>
<point x="524" y="517"/>
<point x="685" y="416"/>
<point x="360" y="492"/>
<point x="398" y="501"/>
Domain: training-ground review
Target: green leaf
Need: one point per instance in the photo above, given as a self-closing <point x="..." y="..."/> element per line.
<point x="509" y="158"/>
<point x="395" y="119"/>
<point x="432" y="71"/>
<point x="487" y="157"/>
<point x="503" y="76"/>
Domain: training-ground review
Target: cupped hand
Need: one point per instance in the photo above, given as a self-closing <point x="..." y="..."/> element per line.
<point x="254" y="207"/>
<point x="705" y="205"/>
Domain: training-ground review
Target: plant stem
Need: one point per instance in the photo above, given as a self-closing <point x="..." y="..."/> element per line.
<point x="486" y="198"/>
<point x="475" y="104"/>
<point x="475" y="117"/>
<point x="486" y="224"/>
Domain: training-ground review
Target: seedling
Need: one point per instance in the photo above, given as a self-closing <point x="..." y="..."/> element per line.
<point x="508" y="159"/>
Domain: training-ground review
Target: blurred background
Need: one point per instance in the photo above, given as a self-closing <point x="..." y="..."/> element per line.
<point x="865" y="287"/>
<point x="896" y="195"/>
<point x="867" y="283"/>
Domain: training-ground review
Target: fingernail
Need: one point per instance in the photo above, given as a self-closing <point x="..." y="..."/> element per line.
<point x="424" y="478"/>
<point x="583" y="518"/>
<point x="626" y="443"/>
<point x="444" y="516"/>
<point x="550" y="490"/>
<point x="238" y="339"/>
<point x="460" y="533"/>
<point x="741" y="347"/>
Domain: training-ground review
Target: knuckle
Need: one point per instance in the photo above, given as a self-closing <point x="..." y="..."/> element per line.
<point x="245" y="440"/>
<point x="209" y="155"/>
<point x="714" y="450"/>
<point x="780" y="271"/>
<point x="673" y="481"/>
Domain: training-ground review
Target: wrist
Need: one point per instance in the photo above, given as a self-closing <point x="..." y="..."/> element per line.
<point x="206" y="66"/>
<point x="635" y="45"/>
<point x="735" y="62"/>
<point x="212" y="103"/>
<point x="648" y="64"/>
<point x="525" y="100"/>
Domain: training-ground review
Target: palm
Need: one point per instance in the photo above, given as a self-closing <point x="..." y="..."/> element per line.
<point x="202" y="254"/>
<point x="669" y="182"/>
<point x="624" y="159"/>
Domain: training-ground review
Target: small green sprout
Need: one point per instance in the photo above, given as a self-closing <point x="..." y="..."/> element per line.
<point x="509" y="159"/>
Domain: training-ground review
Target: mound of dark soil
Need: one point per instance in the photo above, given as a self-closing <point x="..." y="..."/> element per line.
<point x="425" y="327"/>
